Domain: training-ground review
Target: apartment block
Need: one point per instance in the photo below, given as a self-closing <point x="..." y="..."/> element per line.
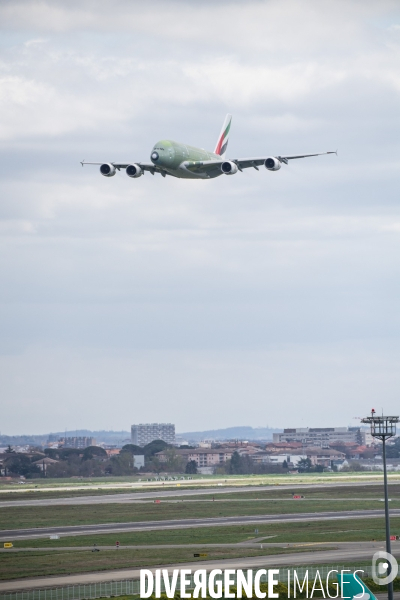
<point x="76" y="442"/>
<point x="144" y="433"/>
<point x="204" y="457"/>
<point x="321" y="437"/>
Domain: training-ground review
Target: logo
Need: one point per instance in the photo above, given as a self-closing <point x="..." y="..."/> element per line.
<point x="384" y="567"/>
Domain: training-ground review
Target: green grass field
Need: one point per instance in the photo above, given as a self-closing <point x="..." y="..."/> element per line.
<point x="346" y="530"/>
<point x="53" y="562"/>
<point x="39" y="494"/>
<point x="253" y="501"/>
<point x="41" y="516"/>
<point x="42" y="488"/>
<point x="327" y="490"/>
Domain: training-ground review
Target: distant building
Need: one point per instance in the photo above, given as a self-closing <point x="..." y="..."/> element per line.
<point x="204" y="457"/>
<point x="76" y="442"/>
<point x="324" y="458"/>
<point x="138" y="460"/>
<point x="112" y="451"/>
<point x="368" y="439"/>
<point x="392" y="464"/>
<point x="318" y="456"/>
<point x="321" y="437"/>
<point x="44" y="462"/>
<point x="206" y="470"/>
<point x="283" y="447"/>
<point x="277" y="459"/>
<point x="144" y="433"/>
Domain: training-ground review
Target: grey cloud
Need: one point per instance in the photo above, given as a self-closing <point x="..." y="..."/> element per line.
<point x="274" y="291"/>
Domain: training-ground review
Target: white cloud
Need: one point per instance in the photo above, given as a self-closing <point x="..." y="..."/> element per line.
<point x="277" y="286"/>
<point x="34" y="42"/>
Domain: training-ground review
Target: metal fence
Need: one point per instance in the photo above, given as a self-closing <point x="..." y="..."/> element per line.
<point x="127" y="587"/>
<point x="130" y="587"/>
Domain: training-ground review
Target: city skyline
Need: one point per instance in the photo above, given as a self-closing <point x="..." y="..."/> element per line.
<point x="128" y="433"/>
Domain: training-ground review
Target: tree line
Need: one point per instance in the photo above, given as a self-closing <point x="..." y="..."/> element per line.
<point x="94" y="462"/>
<point x="72" y="462"/>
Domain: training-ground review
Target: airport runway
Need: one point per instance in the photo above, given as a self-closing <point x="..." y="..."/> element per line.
<point x="182" y="493"/>
<point x="72" y="530"/>
<point x="237" y="545"/>
<point x="354" y="553"/>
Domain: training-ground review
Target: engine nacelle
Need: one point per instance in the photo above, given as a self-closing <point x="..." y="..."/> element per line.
<point x="107" y="170"/>
<point x="134" y="170"/>
<point x="229" y="168"/>
<point x="272" y="164"/>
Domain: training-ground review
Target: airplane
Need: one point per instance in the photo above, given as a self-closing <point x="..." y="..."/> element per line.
<point x="187" y="162"/>
<point x="353" y="588"/>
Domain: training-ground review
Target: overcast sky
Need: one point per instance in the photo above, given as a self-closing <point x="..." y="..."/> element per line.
<point x="258" y="299"/>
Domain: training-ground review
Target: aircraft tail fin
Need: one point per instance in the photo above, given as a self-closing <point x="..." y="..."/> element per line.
<point x="353" y="588"/>
<point x="223" y="138"/>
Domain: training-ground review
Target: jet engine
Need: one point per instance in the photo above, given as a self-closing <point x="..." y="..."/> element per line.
<point x="134" y="170"/>
<point x="107" y="170"/>
<point x="272" y="164"/>
<point x="229" y="168"/>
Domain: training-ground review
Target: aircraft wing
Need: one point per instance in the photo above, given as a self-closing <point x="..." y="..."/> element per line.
<point x="149" y="166"/>
<point x="245" y="163"/>
<point x="146" y="166"/>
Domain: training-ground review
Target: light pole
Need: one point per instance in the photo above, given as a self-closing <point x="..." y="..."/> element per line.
<point x="384" y="428"/>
